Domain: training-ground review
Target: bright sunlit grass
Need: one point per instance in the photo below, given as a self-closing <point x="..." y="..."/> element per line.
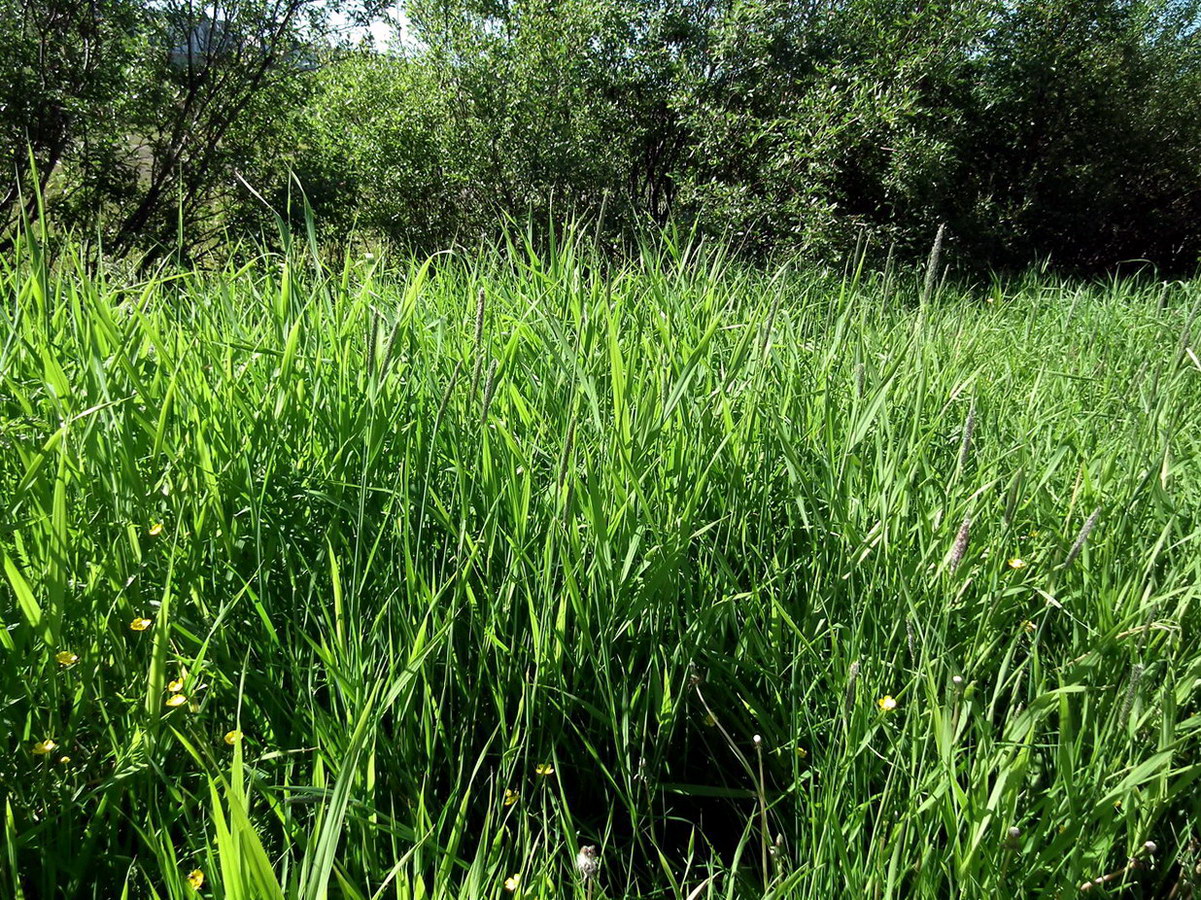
<point x="347" y="583"/>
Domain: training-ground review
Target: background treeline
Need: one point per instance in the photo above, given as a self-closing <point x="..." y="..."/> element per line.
<point x="1032" y="128"/>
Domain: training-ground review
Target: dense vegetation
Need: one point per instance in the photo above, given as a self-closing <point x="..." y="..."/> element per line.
<point x="1061" y="128"/>
<point x="402" y="579"/>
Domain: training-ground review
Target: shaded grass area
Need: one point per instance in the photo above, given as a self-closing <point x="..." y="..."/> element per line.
<point x="461" y="565"/>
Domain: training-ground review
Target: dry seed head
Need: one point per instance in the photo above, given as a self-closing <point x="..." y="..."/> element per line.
<point x="1082" y="536"/>
<point x="933" y="263"/>
<point x="479" y="318"/>
<point x="1136" y="676"/>
<point x="959" y="548"/>
<point x="969" y="427"/>
<point x="489" y="387"/>
<point x="852" y="677"/>
<point x="587" y="862"/>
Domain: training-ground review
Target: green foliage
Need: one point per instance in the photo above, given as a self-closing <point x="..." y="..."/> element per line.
<point x="144" y="122"/>
<point x="1067" y="129"/>
<point x="1086" y="141"/>
<point x="1031" y="128"/>
<point x="62" y="71"/>
<point x="417" y="550"/>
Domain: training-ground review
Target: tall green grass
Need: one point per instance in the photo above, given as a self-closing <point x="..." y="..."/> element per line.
<point x="482" y="581"/>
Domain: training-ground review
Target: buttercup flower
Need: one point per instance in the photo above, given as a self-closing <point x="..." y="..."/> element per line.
<point x="175" y="686"/>
<point x="1017" y="563"/>
<point x="1029" y="627"/>
<point x="140" y="624"/>
<point x="155" y="530"/>
<point x="887" y="703"/>
<point x="232" y="737"/>
<point x="510" y="797"/>
<point x="176" y="700"/>
<point x="545" y="769"/>
<point x="196" y="879"/>
<point x="41" y="748"/>
<point x="66" y="658"/>
<point x="513" y="882"/>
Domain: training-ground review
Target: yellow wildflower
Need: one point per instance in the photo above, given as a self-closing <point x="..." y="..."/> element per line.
<point x="802" y="753"/>
<point x="887" y="703"/>
<point x="232" y="737"/>
<point x="66" y="658"/>
<point x="545" y="769"/>
<point x="513" y="882"/>
<point x="710" y="720"/>
<point x="510" y="797"/>
<point x="140" y="624"/>
<point x="1017" y="563"/>
<point x="63" y="760"/>
<point x="1029" y="627"/>
<point x="175" y="686"/>
<point x="155" y="530"/>
<point x="41" y="748"/>
<point x="196" y="879"/>
<point x="176" y="700"/>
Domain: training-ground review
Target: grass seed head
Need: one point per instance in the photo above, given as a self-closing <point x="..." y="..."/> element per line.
<point x="1082" y="536"/>
<point x="852" y="679"/>
<point x="959" y="548"/>
<point x="969" y="428"/>
<point x="1136" y="677"/>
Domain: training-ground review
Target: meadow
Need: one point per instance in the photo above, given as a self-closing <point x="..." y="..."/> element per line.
<point x="404" y="578"/>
